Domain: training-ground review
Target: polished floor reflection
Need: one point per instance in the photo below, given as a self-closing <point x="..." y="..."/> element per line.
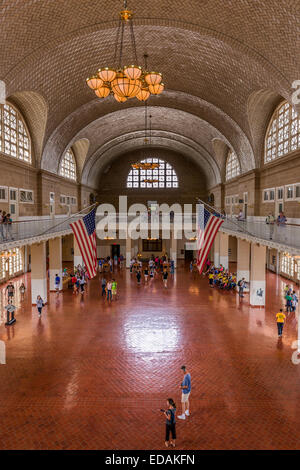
<point x="93" y="375"/>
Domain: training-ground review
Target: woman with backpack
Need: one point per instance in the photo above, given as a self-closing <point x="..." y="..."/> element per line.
<point x="170" y="415"/>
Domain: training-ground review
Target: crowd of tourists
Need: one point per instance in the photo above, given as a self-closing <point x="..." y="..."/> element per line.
<point x="152" y="269"/>
<point x="221" y="278"/>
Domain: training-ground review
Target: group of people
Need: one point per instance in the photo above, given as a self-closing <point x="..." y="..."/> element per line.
<point x="155" y="266"/>
<point x="221" y="278"/>
<point x="170" y="412"/>
<point x="111" y="263"/>
<point x="291" y="299"/>
<point x="109" y="289"/>
<point x="10" y="291"/>
<point x="79" y="279"/>
<point x="5" y="226"/>
<point x="281" y="221"/>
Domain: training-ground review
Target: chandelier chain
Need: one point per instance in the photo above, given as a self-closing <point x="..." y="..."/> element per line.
<point x="121" y="45"/>
<point x="117" y="41"/>
<point x="133" y="42"/>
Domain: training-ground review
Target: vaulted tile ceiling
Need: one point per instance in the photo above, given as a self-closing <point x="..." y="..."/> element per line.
<point x="225" y="66"/>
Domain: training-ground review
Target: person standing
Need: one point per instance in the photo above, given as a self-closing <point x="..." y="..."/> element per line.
<point x="170" y="415"/>
<point x="185" y="395"/>
<point x="165" y="278"/>
<point x="108" y="287"/>
<point x="10" y="292"/>
<point x="57" y="283"/>
<point x="280" y="318"/>
<point x="82" y="284"/>
<point x="146" y="273"/>
<point x="270" y="220"/>
<point x="8" y="224"/>
<point x="114" y="289"/>
<point x="138" y="277"/>
<point x="39" y="304"/>
<point x="22" y="289"/>
<point x="241" y="285"/>
<point x="103" y="285"/>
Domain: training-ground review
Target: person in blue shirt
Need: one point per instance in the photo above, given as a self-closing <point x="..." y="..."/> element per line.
<point x="186" y="390"/>
<point x="57" y="282"/>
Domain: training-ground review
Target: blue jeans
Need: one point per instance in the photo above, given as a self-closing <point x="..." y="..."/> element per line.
<point x="109" y="295"/>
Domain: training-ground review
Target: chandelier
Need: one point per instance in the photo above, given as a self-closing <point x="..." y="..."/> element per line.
<point x="150" y="181"/>
<point x="126" y="81"/>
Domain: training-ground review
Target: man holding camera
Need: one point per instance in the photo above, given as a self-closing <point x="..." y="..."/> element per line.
<point x="186" y="390"/>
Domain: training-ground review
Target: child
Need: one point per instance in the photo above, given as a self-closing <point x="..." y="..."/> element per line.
<point x="146" y="272"/>
<point x="114" y="289"/>
<point x="165" y="278"/>
<point x="22" y="290"/>
<point x="170" y="415"/>
<point x="211" y="279"/>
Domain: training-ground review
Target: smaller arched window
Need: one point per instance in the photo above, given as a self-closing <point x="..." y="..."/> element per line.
<point x="67" y="167"/>
<point x="162" y="176"/>
<point x="14" y="136"/>
<point x="233" y="168"/>
<point x="283" y="134"/>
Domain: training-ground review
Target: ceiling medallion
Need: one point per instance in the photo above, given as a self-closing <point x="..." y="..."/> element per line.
<point x="126" y="81"/>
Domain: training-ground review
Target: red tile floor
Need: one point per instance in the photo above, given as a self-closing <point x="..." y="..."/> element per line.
<point x="93" y="375"/>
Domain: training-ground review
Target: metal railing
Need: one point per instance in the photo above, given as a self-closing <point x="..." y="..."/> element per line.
<point x="288" y="235"/>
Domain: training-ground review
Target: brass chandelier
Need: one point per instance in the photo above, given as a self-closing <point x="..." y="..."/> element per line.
<point x="126" y="81"/>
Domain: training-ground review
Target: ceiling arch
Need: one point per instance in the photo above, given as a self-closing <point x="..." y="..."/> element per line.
<point x="121" y="146"/>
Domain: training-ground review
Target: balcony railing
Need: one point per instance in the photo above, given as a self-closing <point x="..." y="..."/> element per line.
<point x="287" y="236"/>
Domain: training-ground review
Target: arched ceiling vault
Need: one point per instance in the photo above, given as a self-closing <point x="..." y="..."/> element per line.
<point x="201" y="123"/>
<point x="214" y="56"/>
<point x="113" y="149"/>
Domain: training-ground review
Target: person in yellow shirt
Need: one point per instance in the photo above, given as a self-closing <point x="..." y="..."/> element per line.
<point x="211" y="279"/>
<point x="280" y="318"/>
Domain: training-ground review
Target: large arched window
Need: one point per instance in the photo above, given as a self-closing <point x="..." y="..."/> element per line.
<point x="161" y="177"/>
<point x="67" y="167"/>
<point x="14" y="136"/>
<point x="283" y="134"/>
<point x="233" y="168"/>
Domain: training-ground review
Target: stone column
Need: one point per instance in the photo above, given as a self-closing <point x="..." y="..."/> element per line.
<point x="77" y="255"/>
<point x="258" y="275"/>
<point x="217" y="250"/>
<point x="55" y="261"/>
<point x="243" y="261"/>
<point x="128" y="251"/>
<point x="224" y="240"/>
<point x="38" y="272"/>
<point x="173" y="248"/>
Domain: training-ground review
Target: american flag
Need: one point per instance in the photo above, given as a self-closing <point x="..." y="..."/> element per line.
<point x="85" y="233"/>
<point x="208" y="226"/>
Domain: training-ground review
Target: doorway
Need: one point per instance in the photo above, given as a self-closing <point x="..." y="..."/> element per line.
<point x="115" y="250"/>
<point x="13" y="204"/>
<point x="188" y="255"/>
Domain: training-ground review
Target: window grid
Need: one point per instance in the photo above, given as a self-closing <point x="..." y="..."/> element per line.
<point x="287" y="265"/>
<point x="68" y="166"/>
<point x="283" y="135"/>
<point x="165" y="174"/>
<point x="233" y="168"/>
<point x="14" y="137"/>
<point x="15" y="262"/>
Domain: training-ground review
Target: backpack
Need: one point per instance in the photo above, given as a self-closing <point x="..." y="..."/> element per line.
<point x="239" y="283"/>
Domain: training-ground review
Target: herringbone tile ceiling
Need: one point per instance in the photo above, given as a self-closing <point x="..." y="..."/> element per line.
<point x="214" y="56"/>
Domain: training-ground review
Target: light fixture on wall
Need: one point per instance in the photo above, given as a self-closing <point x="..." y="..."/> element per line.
<point x="126" y="81"/>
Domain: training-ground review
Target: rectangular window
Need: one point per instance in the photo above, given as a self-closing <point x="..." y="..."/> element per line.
<point x="3" y="193"/>
<point x="26" y="196"/>
<point x="152" y="245"/>
<point x="13" y="194"/>
<point x="297" y="191"/>
<point x="52" y="198"/>
<point x="289" y="192"/>
<point x="62" y="199"/>
<point x="265" y="195"/>
<point x="279" y="194"/>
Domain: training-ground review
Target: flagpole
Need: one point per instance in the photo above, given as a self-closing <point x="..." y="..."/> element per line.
<point x="241" y="229"/>
<point x="71" y="217"/>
